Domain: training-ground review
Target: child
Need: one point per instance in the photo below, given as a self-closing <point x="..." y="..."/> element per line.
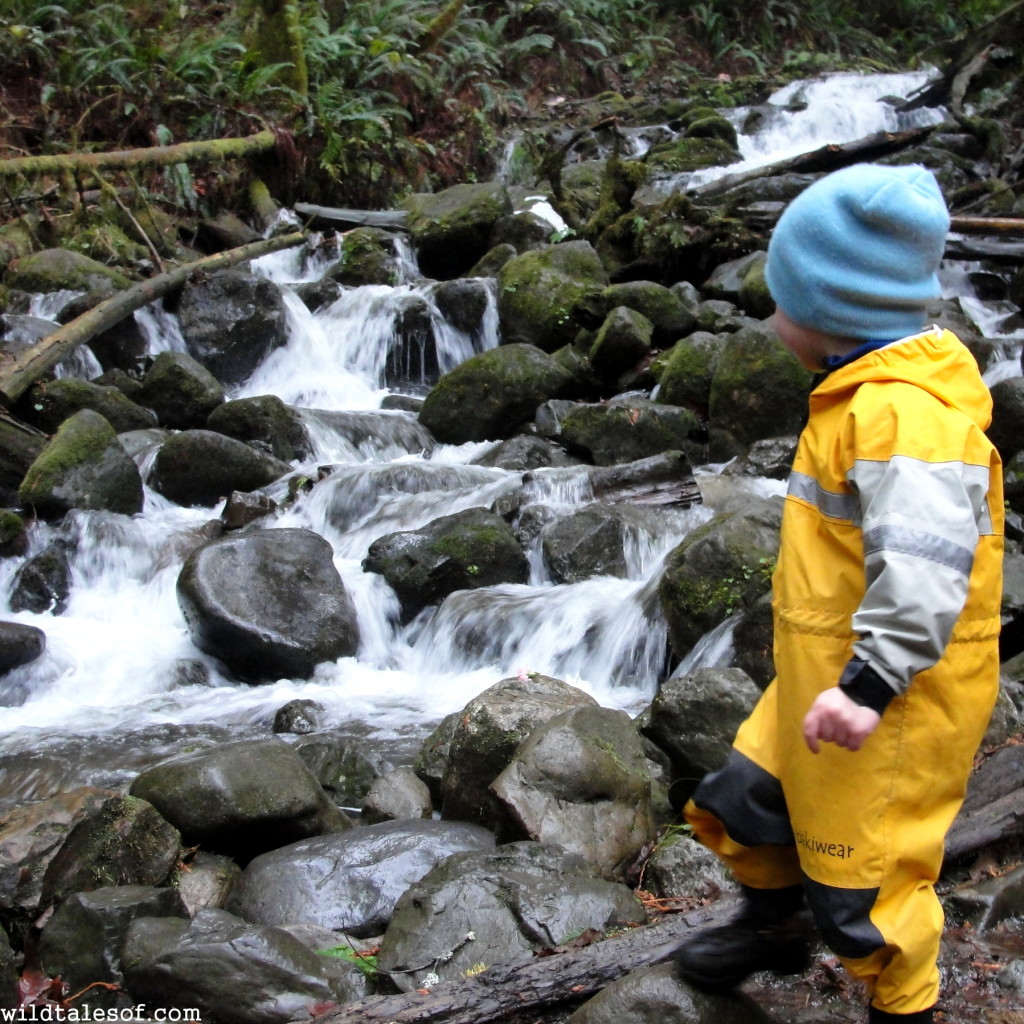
<point x="843" y="782"/>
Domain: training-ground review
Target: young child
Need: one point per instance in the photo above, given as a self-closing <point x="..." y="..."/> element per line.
<point x="843" y="782"/>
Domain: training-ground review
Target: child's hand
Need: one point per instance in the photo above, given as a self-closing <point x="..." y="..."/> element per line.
<point x="835" y="718"/>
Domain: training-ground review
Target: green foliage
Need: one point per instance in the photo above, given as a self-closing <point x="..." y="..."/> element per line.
<point x="366" y="962"/>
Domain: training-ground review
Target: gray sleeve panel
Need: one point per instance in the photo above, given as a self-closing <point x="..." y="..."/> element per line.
<point x="921" y="522"/>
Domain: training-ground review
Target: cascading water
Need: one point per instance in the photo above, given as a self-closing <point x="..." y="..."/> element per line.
<point x="119" y="661"/>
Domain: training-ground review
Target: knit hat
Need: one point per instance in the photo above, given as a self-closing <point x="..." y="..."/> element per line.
<point x="855" y="255"/>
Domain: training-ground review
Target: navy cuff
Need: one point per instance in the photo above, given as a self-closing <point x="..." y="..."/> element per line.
<point x="864" y="686"/>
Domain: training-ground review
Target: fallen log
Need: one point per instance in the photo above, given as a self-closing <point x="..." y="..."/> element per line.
<point x="545" y="981"/>
<point x="208" y="151"/>
<point x="993" y="809"/>
<point x="395" y="219"/>
<point x="31" y="363"/>
<point x="987" y="225"/>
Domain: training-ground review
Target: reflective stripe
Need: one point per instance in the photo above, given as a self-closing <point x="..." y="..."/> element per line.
<point x="829" y="503"/>
<point x="920" y="543"/>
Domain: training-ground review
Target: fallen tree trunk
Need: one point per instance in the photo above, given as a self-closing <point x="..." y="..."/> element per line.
<point x="209" y="151"/>
<point x="354" y="218"/>
<point x="545" y="981"/>
<point x="994" y="807"/>
<point x="987" y="225"/>
<point x="29" y="365"/>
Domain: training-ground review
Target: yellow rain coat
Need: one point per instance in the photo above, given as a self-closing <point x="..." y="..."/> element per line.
<point x="891" y="555"/>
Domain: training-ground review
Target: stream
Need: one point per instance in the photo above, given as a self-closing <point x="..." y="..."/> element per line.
<point x="121" y="685"/>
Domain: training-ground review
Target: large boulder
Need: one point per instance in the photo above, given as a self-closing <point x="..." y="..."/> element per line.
<point x="539" y="290"/>
<point x="580" y="780"/>
<point x="83" y="466"/>
<point x="622" y="340"/>
<point x="52" y="403"/>
<point x="43" y="582"/>
<point x="498" y="907"/>
<point x="269" y="603"/>
<point x="368" y="256"/>
<point x="491" y="395"/>
<point x="231" y="321"/>
<point x="202" y="467"/>
<point x="451" y="229"/>
<point x="241" y="798"/>
<point x="464" y="551"/>
<point x="20" y="644"/>
<point x="266" y="419"/>
<point x="668" y="314"/>
<point x="720" y="568"/>
<point x="687" y="370"/>
<point x="1007" y="429"/>
<point x="588" y="542"/>
<point x="232" y="971"/>
<point x="488" y="731"/>
<point x="349" y="882"/>
<point x="54" y="270"/>
<point x="181" y="391"/>
<point x="20" y="446"/>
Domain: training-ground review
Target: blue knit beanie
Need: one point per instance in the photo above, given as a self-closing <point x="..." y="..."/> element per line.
<point x="855" y="255"/>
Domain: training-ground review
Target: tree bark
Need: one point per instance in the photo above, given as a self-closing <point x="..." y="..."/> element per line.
<point x="29" y="365"/>
<point x="210" y="151"/>
<point x="395" y="219"/>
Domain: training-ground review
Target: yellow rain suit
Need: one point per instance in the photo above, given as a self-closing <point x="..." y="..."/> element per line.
<point x="891" y="556"/>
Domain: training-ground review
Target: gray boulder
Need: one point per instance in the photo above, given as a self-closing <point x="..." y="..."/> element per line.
<point x="241" y="798"/>
<point x="232" y="971"/>
<point x="580" y="780"/>
<point x="81" y="943"/>
<point x="1007" y="429"/>
<point x="396" y="795"/>
<point x="83" y="466"/>
<point x="181" y="391"/>
<point x="206" y="881"/>
<point x="488" y="731"/>
<point x="680" y="867"/>
<point x="463" y="303"/>
<point x="265" y="419"/>
<point x="200" y="467"/>
<point x="525" y="452"/>
<point x="498" y="908"/>
<point x="231" y="322"/>
<point x="491" y="395"/>
<point x="465" y="551"/>
<point x="20" y="446"/>
<point x="669" y="316"/>
<point x="588" y="542"/>
<point x="10" y="996"/>
<point x="349" y="882"/>
<point x="43" y="582"/>
<point x="368" y="256"/>
<point x="538" y="291"/>
<point x="55" y="401"/>
<point x="451" y="229"/>
<point x="688" y="369"/>
<point x="54" y="270"/>
<point x="268" y="603"/>
<point x="380" y="435"/>
<point x="622" y="340"/>
<point x="20" y="644"/>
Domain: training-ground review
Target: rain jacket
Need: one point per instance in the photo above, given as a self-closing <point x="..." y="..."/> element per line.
<point x="890" y="559"/>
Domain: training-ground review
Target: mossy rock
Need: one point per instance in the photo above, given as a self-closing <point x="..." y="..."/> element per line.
<point x="53" y="402"/>
<point x="690" y="154"/>
<point x="181" y="391"/>
<point x="622" y="341"/>
<point x="13" y="534"/>
<point x="688" y="370"/>
<point x="538" y="290"/>
<point x="52" y="270"/>
<point x="367" y="257"/>
<point x="263" y="418"/>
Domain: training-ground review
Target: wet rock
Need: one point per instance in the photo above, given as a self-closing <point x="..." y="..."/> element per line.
<point x="264" y="418"/>
<point x="621" y="342"/>
<point x="464" y="551"/>
<point x="668" y="314"/>
<point x="463" y="303"/>
<point x="225" y="231"/>
<point x="270" y="603"/>
<point x="395" y="796"/>
<point x="759" y="390"/>
<point x="54" y="270"/>
<point x="10" y="997"/>
<point x="623" y="430"/>
<point x="1007" y="429"/>
<point x="124" y="841"/>
<point x="585" y="543"/>
<point x="20" y="446"/>
<point x="349" y="882"/>
<point x="719" y="316"/>
<point x="243" y="508"/>
<point x="181" y="391"/>
<point x="121" y="348"/>
<point x="687" y="370"/>
<point x="694" y="719"/>
<point x="491" y="395"/>
<point x="656" y="995"/>
<point x="433" y="755"/>
<point x="43" y="583"/>
<point x="298" y="716"/>
<point x="317" y="295"/>
<point x="771" y="457"/>
<point x="200" y="467"/>
<point x="726" y="280"/>
<point x="990" y="902"/>
<point x="488" y="731"/>
<point x="20" y="644"/>
<point x="498" y="908"/>
<point x="752" y="642"/>
<point x="53" y="402"/>
<point x="13" y="534"/>
<point x="451" y="229"/>
<point x="538" y="291"/>
<point x="340" y="765"/>
<point x="82" y="942"/>
<point x="234" y="972"/>
<point x="231" y="321"/>
<point x="128" y="384"/>
<point x="83" y="466"/>
<point x="682" y="867"/>
<point x="490" y="264"/>
<point x="525" y="452"/>
<point x="241" y="798"/>
<point x="382" y="435"/>
<point x="207" y="880"/>
<point x="721" y="567"/>
<point x="580" y="780"/>
<point x="368" y="256"/>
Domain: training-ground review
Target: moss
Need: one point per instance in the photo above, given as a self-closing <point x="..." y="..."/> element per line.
<point x="690" y="154"/>
<point x="83" y="438"/>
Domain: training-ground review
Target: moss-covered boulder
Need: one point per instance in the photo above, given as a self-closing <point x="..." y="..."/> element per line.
<point x="721" y="567"/>
<point x="686" y="371"/>
<point x="263" y="418"/>
<point x="368" y="256"/>
<point x="180" y="390"/>
<point x="669" y="316"/>
<point x="464" y="551"/>
<point x="451" y="229"/>
<point x="54" y="401"/>
<point x="491" y="395"/>
<point x="759" y="390"/>
<point x="538" y="291"/>
<point x="621" y="342"/>
<point x="13" y="534"/>
<point x="692" y="153"/>
<point x="83" y="466"/>
<point x="742" y="282"/>
<point x="54" y="270"/>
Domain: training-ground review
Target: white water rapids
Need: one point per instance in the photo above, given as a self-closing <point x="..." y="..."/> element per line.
<point x="119" y="660"/>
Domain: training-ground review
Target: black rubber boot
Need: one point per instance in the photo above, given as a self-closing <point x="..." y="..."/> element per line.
<point x="767" y="935"/>
<point x="881" y="1017"/>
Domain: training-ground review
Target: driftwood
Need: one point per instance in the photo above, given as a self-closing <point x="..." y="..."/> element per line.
<point x="994" y="807"/>
<point x="394" y="219"/>
<point x="155" y="156"/>
<point x="665" y="479"/>
<point x="545" y="981"/>
<point x="17" y="375"/>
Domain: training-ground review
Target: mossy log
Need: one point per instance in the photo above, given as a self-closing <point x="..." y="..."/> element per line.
<point x="29" y="365"/>
<point x="209" y="151"/>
